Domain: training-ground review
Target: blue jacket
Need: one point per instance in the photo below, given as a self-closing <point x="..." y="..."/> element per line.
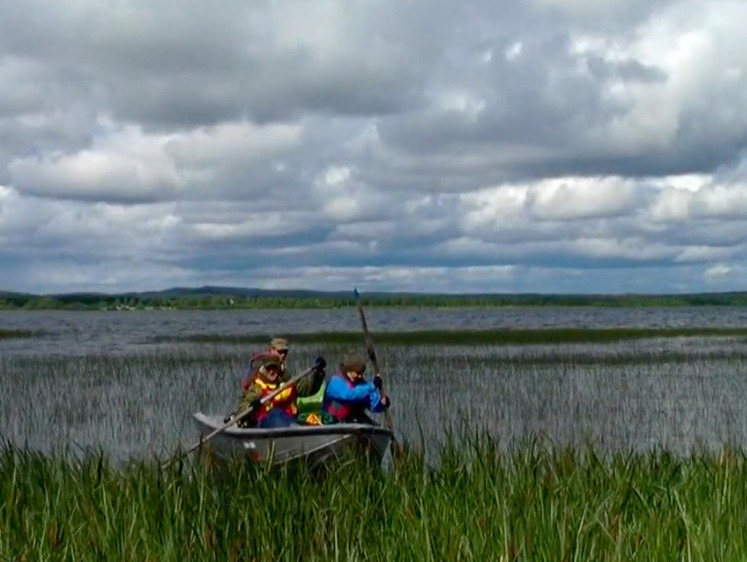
<point x="355" y="396"/>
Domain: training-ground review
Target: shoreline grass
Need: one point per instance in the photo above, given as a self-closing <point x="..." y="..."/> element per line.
<point x="533" y="502"/>
<point x="468" y="337"/>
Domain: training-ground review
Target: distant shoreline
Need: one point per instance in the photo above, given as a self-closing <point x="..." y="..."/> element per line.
<point x="215" y="298"/>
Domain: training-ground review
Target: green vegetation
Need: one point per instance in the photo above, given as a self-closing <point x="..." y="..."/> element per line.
<point x="472" y="337"/>
<point x="8" y="334"/>
<point x="226" y="298"/>
<point x="535" y="502"/>
<point x="640" y="465"/>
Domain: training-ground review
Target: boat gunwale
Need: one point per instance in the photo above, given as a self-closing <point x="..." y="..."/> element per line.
<point x="299" y="431"/>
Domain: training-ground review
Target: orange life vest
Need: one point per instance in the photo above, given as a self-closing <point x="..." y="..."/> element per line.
<point x="286" y="399"/>
<point x="251" y="374"/>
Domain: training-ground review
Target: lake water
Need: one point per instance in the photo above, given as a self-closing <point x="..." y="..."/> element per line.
<point x="96" y="380"/>
<point x="71" y="332"/>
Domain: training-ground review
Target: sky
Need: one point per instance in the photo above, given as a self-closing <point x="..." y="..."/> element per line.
<point x="551" y="146"/>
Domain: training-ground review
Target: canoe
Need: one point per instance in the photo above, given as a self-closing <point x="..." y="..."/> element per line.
<point x="314" y="443"/>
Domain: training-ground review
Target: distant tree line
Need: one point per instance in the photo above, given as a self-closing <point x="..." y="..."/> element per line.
<point x="224" y="301"/>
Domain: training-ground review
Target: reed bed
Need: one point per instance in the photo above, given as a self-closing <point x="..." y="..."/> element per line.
<point x="471" y="337"/>
<point x="623" y="450"/>
<point x="678" y="393"/>
<point x="535" y="501"/>
<point x="8" y="334"/>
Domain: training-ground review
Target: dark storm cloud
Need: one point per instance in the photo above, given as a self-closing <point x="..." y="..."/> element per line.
<point x="161" y="65"/>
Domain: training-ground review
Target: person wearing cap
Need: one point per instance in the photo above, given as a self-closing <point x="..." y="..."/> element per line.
<point x="279" y="348"/>
<point x="348" y="395"/>
<point x="282" y="409"/>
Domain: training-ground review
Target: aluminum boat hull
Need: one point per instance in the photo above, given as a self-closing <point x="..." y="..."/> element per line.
<point x="315" y="443"/>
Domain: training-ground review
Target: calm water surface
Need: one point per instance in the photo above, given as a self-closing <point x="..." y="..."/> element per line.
<point x="71" y="332"/>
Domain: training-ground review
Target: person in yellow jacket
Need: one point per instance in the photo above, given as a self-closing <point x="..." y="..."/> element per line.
<point x="279" y="348"/>
<point x="282" y="409"/>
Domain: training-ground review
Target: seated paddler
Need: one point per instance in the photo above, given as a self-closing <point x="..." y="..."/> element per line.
<point x="348" y="395"/>
<point x="281" y="410"/>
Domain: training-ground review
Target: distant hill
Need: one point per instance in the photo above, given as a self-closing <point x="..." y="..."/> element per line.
<point x="214" y="297"/>
<point x="9" y="294"/>
<point x="238" y="292"/>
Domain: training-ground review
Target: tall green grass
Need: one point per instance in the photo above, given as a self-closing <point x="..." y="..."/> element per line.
<point x="642" y="460"/>
<point x="532" y="502"/>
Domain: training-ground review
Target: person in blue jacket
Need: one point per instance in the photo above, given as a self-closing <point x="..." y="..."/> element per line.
<point x="348" y="395"/>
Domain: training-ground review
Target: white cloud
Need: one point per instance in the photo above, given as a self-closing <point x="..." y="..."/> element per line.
<point x="513" y="52"/>
<point x="718" y="271"/>
<point x="704" y="254"/>
<point x="378" y="278"/>
<point x="721" y="202"/>
<point x="342" y="197"/>
<point x="494" y="208"/>
<point x="710" y="199"/>
<point x="129" y="165"/>
<point x="254" y="226"/>
<point x="581" y="198"/>
<point x="560" y="199"/>
<point x="510" y="145"/>
<point x="20" y="222"/>
<point x="702" y="51"/>
<point x="671" y="205"/>
<point x="230" y="144"/>
<point x="126" y="167"/>
<point x="463" y="102"/>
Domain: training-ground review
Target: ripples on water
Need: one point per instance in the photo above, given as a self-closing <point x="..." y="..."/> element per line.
<point x="95" y="382"/>
<point x="110" y="331"/>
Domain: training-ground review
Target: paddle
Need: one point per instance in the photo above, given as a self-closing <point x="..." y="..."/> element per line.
<point x="396" y="446"/>
<point x="240" y="416"/>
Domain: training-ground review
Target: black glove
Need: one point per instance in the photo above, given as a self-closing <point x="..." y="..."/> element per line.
<point x="377" y="382"/>
<point x="319" y="364"/>
<point x="385" y="402"/>
<point x="256" y="405"/>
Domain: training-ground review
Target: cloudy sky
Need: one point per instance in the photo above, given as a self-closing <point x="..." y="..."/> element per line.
<point x="484" y="145"/>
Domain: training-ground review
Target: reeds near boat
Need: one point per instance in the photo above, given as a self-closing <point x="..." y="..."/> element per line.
<point x="642" y="460"/>
<point x="534" y="502"/>
<point x="671" y="392"/>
